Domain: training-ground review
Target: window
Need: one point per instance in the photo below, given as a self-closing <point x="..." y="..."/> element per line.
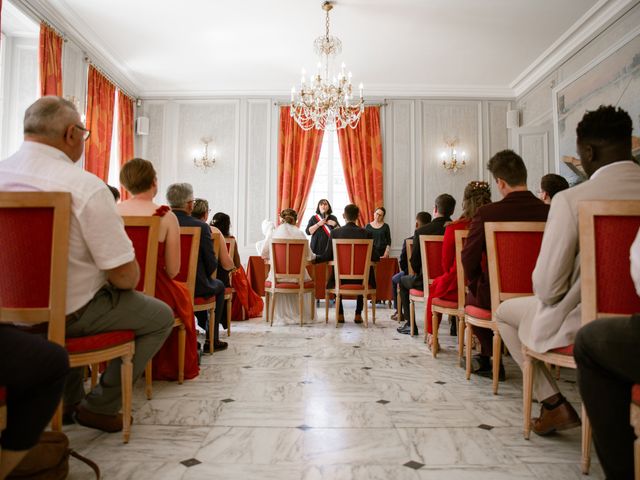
<point x="329" y="180"/>
<point x="114" y="155"/>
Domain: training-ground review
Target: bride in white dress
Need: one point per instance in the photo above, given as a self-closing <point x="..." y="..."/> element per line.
<point x="287" y="308"/>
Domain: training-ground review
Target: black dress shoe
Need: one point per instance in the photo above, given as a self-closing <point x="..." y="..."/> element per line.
<point x="402" y="327"/>
<point x="453" y="329"/>
<point x="488" y="373"/>
<point x="406" y="330"/>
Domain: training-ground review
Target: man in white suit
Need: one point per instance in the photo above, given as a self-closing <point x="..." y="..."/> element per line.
<point x="551" y="318"/>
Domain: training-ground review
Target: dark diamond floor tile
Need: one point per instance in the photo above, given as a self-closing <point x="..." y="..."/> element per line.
<point x="382" y="402"/>
<point x="484" y="426"/>
<point x="414" y="465"/>
<point x="227" y="400"/>
<point x="191" y="462"/>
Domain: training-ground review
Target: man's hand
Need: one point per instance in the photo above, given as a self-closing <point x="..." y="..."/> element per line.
<point x="126" y="276"/>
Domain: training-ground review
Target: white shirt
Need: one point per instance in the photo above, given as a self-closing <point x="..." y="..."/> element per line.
<point x="97" y="240"/>
<point x="635" y="262"/>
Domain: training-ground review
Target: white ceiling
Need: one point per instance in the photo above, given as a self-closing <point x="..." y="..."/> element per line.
<point x="399" y="47"/>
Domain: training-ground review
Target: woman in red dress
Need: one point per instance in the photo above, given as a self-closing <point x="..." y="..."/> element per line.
<point x="139" y="177"/>
<point x="476" y="194"/>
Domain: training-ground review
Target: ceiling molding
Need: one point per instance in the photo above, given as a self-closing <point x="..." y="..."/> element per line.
<point x="590" y="24"/>
<point x="41" y="9"/>
<point x="381" y="91"/>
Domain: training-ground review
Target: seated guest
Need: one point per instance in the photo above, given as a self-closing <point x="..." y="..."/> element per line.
<point x="320" y="226"/>
<point x="444" y="206"/>
<point x="287" y="307"/>
<point x="102" y="274"/>
<point x="225" y="264"/>
<point x="550" y="184"/>
<point x="33" y="372"/>
<point x="244" y="298"/>
<point x="349" y="231"/>
<point x="115" y="192"/>
<point x="606" y="352"/>
<point x="422" y="218"/>
<point x="476" y="195"/>
<point x="551" y="318"/>
<point x="381" y="233"/>
<point x="517" y="205"/>
<point x="180" y="198"/>
<point x="222" y="222"/>
<point x="139" y="178"/>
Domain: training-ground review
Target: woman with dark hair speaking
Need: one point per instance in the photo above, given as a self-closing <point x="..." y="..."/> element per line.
<point x="320" y="226"/>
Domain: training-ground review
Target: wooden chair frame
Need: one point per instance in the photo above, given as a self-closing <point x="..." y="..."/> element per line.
<point x="231" y="245"/>
<point x="365" y="291"/>
<point x="149" y="288"/>
<point x="426" y="280"/>
<point x="54" y="314"/>
<point x="457" y="313"/>
<point x="497" y="295"/>
<point x="587" y="211"/>
<point x="270" y="292"/>
<point x="409" y="249"/>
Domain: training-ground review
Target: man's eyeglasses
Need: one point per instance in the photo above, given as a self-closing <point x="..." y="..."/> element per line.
<point x="86" y="133"/>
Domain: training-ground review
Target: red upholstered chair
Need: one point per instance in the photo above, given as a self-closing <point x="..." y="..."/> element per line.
<point x="607" y="230"/>
<point x="431" y="256"/>
<point x="33" y="285"/>
<point x="288" y="264"/>
<point x="440" y="306"/>
<point x="143" y="232"/>
<point x="230" y="292"/>
<point x="408" y="248"/>
<point x="352" y="262"/>
<point x="512" y="252"/>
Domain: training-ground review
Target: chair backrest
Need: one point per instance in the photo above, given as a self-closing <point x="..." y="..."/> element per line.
<point x="512" y="252"/>
<point x="144" y="233"/>
<point x="216" y="250"/>
<point x="288" y="259"/>
<point x="409" y="250"/>
<point x="189" y="247"/>
<point x="461" y="238"/>
<point x="607" y="230"/>
<point x="34" y="256"/>
<point x="431" y="257"/>
<point x="352" y="260"/>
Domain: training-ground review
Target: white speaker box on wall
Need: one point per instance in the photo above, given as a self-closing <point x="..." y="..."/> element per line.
<point x="513" y="118"/>
<point x="142" y="126"/>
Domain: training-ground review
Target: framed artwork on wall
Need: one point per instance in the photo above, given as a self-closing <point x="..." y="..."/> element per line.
<point x="613" y="78"/>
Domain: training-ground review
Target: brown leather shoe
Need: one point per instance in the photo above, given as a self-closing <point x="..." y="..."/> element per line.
<point x="340" y="318"/>
<point x="561" y="417"/>
<point x="99" y="421"/>
<point x="357" y="318"/>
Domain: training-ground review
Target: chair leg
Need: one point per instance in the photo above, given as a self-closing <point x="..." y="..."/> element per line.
<point x="497" y="355"/>
<point x="412" y="315"/>
<point x="366" y="311"/>
<point x="273" y="308"/>
<point x="586" y="442"/>
<point x="373" y="309"/>
<point x="460" y="337"/>
<point x="557" y="372"/>
<point x="313" y="307"/>
<point x="182" y="342"/>
<point x="468" y="333"/>
<point x="435" y="323"/>
<point x="266" y="307"/>
<point x="126" y="377"/>
<point x="148" y="381"/>
<point x="95" y="368"/>
<point x="326" y="307"/>
<point x="212" y="322"/>
<point x="229" y="317"/>
<point x="527" y="392"/>
<point x="301" y="305"/>
<point x="399" y="305"/>
<point x="337" y="308"/>
<point x="56" y="420"/>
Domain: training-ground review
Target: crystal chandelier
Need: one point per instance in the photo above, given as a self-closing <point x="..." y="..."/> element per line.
<point x="205" y="161"/>
<point x="326" y="103"/>
<point x="449" y="157"/>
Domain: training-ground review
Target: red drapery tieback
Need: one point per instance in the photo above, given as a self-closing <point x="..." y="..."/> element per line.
<point x="298" y="156"/>
<point x="126" y="132"/>
<point x="50" y="55"/>
<point x="361" y="152"/>
<point x="101" y="96"/>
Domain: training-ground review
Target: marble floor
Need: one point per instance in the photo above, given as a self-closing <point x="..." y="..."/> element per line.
<point x="319" y="402"/>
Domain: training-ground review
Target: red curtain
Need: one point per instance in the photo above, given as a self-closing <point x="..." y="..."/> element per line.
<point x="298" y="156"/>
<point x="101" y="98"/>
<point x="50" y="54"/>
<point x="361" y="151"/>
<point x="125" y="129"/>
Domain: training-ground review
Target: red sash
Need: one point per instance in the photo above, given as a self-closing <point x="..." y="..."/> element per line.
<point x="324" y="227"/>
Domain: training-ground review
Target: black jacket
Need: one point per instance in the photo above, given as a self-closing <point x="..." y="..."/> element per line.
<point x="435" y="227"/>
<point x="207" y="261"/>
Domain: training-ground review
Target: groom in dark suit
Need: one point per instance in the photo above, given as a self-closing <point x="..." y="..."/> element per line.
<point x="349" y="231"/>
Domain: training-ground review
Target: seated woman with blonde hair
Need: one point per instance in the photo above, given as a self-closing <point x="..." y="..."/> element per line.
<point x="287" y="307"/>
<point x="139" y="178"/>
